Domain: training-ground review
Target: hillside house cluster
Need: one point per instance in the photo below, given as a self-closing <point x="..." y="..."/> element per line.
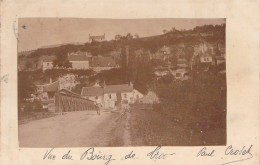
<point x="112" y="96"/>
<point x="205" y="54"/>
<point x="83" y="62"/>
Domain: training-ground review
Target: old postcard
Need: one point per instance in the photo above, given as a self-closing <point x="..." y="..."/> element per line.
<point x="105" y="84"/>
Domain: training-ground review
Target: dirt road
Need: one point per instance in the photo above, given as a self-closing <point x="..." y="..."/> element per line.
<point x="75" y="129"/>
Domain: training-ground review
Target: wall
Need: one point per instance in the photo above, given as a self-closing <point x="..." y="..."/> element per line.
<point x="110" y="102"/>
<point x="127" y="96"/>
<point x="80" y="64"/>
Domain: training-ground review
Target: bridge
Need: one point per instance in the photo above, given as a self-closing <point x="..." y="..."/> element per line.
<point x="67" y="101"/>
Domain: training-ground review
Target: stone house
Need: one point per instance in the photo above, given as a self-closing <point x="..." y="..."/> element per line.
<point x="112" y="96"/>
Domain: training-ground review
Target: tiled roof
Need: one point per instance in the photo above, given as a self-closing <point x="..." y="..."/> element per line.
<point x="92" y="91"/>
<point x="118" y="88"/>
<point x="53" y="87"/>
<point x="103" y="62"/>
<point x="78" y="58"/>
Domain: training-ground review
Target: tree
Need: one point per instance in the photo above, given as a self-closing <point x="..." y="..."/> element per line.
<point x="132" y="66"/>
<point x="118" y="37"/>
<point x="123" y="58"/>
<point x="62" y="59"/>
<point x="25" y="86"/>
<point x="189" y="51"/>
<point x="129" y="36"/>
<point x="165" y="31"/>
<point x="136" y="35"/>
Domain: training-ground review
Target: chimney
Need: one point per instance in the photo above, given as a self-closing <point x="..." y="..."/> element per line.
<point x="50" y="80"/>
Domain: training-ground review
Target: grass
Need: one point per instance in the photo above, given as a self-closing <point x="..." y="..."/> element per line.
<point x="154" y="128"/>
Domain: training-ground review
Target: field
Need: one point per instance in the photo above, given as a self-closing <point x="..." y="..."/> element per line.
<point x="191" y="113"/>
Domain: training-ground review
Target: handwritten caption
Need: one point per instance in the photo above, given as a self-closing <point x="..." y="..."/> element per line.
<point x="91" y="154"/>
<point x="243" y="153"/>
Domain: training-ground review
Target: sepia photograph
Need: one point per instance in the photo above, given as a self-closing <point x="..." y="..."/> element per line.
<point x="93" y="82"/>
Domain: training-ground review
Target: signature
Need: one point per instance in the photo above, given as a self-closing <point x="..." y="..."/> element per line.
<point x="238" y="152"/>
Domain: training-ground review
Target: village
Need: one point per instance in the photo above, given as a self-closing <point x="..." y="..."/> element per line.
<point x="126" y="80"/>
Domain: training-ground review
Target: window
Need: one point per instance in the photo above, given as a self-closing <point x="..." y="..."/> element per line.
<point x="47" y="64"/>
<point x="125" y="95"/>
<point x="109" y="96"/>
<point x="96" y="97"/>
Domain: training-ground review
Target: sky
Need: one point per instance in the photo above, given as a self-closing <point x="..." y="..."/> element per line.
<point x="34" y="33"/>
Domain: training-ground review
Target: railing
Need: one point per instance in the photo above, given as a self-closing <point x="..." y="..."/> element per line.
<point x="69" y="103"/>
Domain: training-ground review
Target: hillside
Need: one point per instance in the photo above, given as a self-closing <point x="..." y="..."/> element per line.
<point x="207" y="33"/>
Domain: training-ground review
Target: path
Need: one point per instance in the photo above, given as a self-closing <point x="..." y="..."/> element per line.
<point x="75" y="129"/>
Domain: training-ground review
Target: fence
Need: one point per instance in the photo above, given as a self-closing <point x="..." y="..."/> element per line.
<point x="67" y="101"/>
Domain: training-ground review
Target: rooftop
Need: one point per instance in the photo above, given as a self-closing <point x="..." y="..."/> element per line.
<point x="118" y="88"/>
<point x="78" y="58"/>
<point x="103" y="62"/>
<point x="92" y="91"/>
<point x="99" y="91"/>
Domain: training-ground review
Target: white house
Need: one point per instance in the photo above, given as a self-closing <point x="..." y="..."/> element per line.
<point x="95" y="94"/>
<point x="79" y="61"/>
<point x="47" y="62"/>
<point x="112" y="96"/>
<point x="206" y="59"/>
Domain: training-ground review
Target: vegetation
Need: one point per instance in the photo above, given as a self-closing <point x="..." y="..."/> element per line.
<point x="193" y="111"/>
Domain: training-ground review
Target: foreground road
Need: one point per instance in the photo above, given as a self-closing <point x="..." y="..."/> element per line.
<point x="75" y="129"/>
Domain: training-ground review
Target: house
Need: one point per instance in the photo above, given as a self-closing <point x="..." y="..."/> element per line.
<point x="180" y="74"/>
<point x="137" y="96"/>
<point x="79" y="61"/>
<point x="112" y="96"/>
<point x="102" y="63"/>
<point x="80" y="53"/>
<point x="47" y="62"/>
<point x="204" y="58"/>
<point x="117" y="96"/>
<point x="219" y="60"/>
<point x="97" y="38"/>
<point x="95" y="94"/>
<point x="46" y="94"/>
